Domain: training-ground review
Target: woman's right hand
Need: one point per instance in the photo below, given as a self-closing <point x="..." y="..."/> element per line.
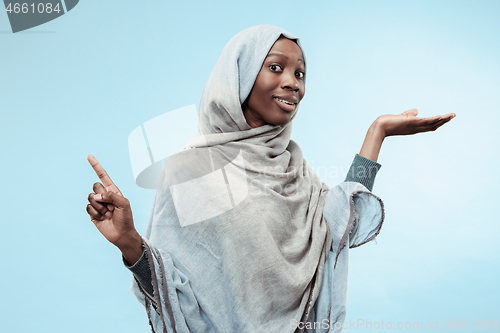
<point x="110" y="212"/>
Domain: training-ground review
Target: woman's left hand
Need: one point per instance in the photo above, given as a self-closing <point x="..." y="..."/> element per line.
<point x="408" y="123"/>
<point x="405" y="123"/>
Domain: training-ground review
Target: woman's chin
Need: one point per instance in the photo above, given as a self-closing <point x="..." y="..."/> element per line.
<point x="280" y="121"/>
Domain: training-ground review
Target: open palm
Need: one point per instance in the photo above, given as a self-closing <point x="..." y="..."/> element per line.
<point x="408" y="123"/>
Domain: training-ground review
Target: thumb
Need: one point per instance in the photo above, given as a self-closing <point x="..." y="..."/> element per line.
<point x="113" y="198"/>
<point x="411" y="112"/>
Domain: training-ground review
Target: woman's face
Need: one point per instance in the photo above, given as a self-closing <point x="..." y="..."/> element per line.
<point x="279" y="87"/>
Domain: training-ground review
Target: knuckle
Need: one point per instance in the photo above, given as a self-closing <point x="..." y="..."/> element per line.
<point x="93" y="212"/>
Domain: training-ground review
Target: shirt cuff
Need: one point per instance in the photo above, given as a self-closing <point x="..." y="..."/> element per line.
<point x="141" y="271"/>
<point x="363" y="171"/>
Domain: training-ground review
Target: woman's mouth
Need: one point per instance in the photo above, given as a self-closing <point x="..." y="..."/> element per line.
<point x="285" y="105"/>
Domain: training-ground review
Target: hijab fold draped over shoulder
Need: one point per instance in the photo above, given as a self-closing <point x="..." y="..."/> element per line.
<point x="241" y="229"/>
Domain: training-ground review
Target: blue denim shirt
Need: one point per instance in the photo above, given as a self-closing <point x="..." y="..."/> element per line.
<point x="357" y="221"/>
<point x="354" y="216"/>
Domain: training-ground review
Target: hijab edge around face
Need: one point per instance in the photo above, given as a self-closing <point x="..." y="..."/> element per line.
<point x="233" y="77"/>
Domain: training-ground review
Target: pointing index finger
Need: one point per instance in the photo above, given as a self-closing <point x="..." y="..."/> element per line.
<point x="103" y="175"/>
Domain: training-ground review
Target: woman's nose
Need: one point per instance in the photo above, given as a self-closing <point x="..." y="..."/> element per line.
<point x="289" y="81"/>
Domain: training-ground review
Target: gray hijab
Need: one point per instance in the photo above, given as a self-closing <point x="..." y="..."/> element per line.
<point x="236" y="238"/>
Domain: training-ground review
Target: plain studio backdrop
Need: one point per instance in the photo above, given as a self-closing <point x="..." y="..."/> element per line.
<point x="80" y="84"/>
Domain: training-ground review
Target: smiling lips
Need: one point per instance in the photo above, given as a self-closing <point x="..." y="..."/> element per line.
<point x="286" y="103"/>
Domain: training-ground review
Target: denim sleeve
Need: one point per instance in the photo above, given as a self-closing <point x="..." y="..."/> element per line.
<point x="363" y="171"/>
<point x="142" y="272"/>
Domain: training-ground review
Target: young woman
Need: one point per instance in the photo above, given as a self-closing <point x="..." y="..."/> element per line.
<point x="243" y="236"/>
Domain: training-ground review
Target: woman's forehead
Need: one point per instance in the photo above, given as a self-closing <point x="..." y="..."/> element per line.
<point x="286" y="48"/>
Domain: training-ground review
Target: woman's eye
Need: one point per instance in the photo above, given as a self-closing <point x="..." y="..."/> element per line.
<point x="275" y="68"/>
<point x="300" y="75"/>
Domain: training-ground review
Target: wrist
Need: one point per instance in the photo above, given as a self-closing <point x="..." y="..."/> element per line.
<point x="131" y="247"/>
<point x="378" y="129"/>
<point x="373" y="141"/>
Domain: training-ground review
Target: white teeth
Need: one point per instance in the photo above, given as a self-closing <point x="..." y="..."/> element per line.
<point x="287" y="102"/>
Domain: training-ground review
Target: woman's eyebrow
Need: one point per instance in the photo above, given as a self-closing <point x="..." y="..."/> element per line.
<point x="282" y="56"/>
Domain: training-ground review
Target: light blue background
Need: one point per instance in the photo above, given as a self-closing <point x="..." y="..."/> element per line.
<point x="81" y="83"/>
